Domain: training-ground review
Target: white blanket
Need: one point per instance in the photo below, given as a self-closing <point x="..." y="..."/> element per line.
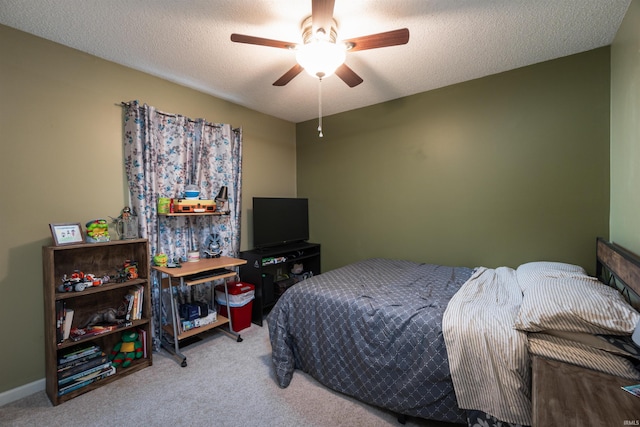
<point x="488" y="358"/>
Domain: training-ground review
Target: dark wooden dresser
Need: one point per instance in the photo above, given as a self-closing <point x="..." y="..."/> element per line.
<point x="568" y="395"/>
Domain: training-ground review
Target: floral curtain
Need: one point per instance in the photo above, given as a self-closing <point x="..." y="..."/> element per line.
<point x="163" y="154"/>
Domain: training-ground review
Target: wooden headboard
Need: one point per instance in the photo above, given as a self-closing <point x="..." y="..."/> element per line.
<point x="619" y="268"/>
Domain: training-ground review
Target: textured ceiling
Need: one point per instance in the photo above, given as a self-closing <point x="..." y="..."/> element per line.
<point x="188" y="42"/>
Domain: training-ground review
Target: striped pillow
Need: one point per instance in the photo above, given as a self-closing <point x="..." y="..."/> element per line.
<point x="531" y="273"/>
<point x="575" y="304"/>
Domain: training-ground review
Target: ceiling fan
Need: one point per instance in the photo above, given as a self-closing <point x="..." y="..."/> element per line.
<point x="322" y="53"/>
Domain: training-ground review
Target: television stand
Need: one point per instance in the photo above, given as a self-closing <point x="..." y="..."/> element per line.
<point x="290" y="246"/>
<point x="270" y="271"/>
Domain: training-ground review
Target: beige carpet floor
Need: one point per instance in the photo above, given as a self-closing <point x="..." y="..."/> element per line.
<point x="226" y="383"/>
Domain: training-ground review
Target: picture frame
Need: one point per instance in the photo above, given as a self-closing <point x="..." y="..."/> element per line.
<point x="66" y="233"/>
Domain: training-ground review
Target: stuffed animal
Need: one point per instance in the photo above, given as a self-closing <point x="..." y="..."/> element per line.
<point x="128" y="349"/>
<point x="107" y="316"/>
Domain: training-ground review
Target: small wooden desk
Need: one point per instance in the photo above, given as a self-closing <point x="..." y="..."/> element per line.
<point x="195" y="273"/>
<point x="567" y="395"/>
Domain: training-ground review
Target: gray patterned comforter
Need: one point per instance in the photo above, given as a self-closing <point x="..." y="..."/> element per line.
<point x="372" y="330"/>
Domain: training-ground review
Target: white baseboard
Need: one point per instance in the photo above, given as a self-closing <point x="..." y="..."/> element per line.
<point x="22" y="391"/>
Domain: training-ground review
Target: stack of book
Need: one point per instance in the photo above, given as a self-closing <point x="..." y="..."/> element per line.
<point x="133" y="303"/>
<point x="81" y="367"/>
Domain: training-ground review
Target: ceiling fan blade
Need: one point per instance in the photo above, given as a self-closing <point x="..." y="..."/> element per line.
<point x="322" y="14"/>
<point x="241" y="38"/>
<point x="289" y="75"/>
<point x="348" y="75"/>
<point x="374" y="41"/>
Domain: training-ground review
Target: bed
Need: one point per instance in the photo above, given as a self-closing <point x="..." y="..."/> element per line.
<point x="438" y="342"/>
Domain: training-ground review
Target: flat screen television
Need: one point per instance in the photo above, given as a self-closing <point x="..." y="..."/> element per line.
<point x="278" y="221"/>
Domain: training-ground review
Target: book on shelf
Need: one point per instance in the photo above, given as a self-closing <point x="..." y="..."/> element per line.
<point x="79" y="384"/>
<point x="78" y="334"/>
<point x="127" y="306"/>
<point x="86" y="374"/>
<point x="78" y="361"/>
<point x="77" y="353"/>
<point x="66" y="326"/>
<point x="140" y="300"/>
<point x="60" y="305"/>
<point x="134" y="308"/>
<point x="137" y="296"/>
<point x="82" y="365"/>
<point x="142" y="336"/>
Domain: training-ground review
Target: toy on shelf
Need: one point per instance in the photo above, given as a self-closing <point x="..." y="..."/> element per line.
<point x="107" y="316"/>
<point x="212" y="247"/>
<point x="97" y="231"/>
<point x="160" y="260"/>
<point x="127" y="350"/>
<point x="79" y="281"/>
<point x="129" y="271"/>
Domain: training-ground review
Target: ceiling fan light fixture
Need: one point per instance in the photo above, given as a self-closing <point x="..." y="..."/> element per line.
<point x="320" y="58"/>
<point x="321" y="54"/>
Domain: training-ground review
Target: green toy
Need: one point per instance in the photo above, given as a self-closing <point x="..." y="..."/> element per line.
<point x="128" y="349"/>
<point x="97" y="231"/>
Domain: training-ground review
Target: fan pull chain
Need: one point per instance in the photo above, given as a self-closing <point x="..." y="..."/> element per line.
<point x="320" y="107"/>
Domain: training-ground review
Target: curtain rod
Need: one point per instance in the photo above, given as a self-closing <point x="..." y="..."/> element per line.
<point x="162" y="113"/>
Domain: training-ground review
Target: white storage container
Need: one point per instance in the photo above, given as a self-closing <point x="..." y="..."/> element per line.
<point x="240" y="294"/>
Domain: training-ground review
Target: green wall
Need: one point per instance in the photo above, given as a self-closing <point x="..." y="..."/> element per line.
<point x="497" y="171"/>
<point x="61" y="131"/>
<point x="625" y="131"/>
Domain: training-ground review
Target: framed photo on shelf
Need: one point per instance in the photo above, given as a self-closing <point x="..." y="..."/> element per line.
<point x="66" y="234"/>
